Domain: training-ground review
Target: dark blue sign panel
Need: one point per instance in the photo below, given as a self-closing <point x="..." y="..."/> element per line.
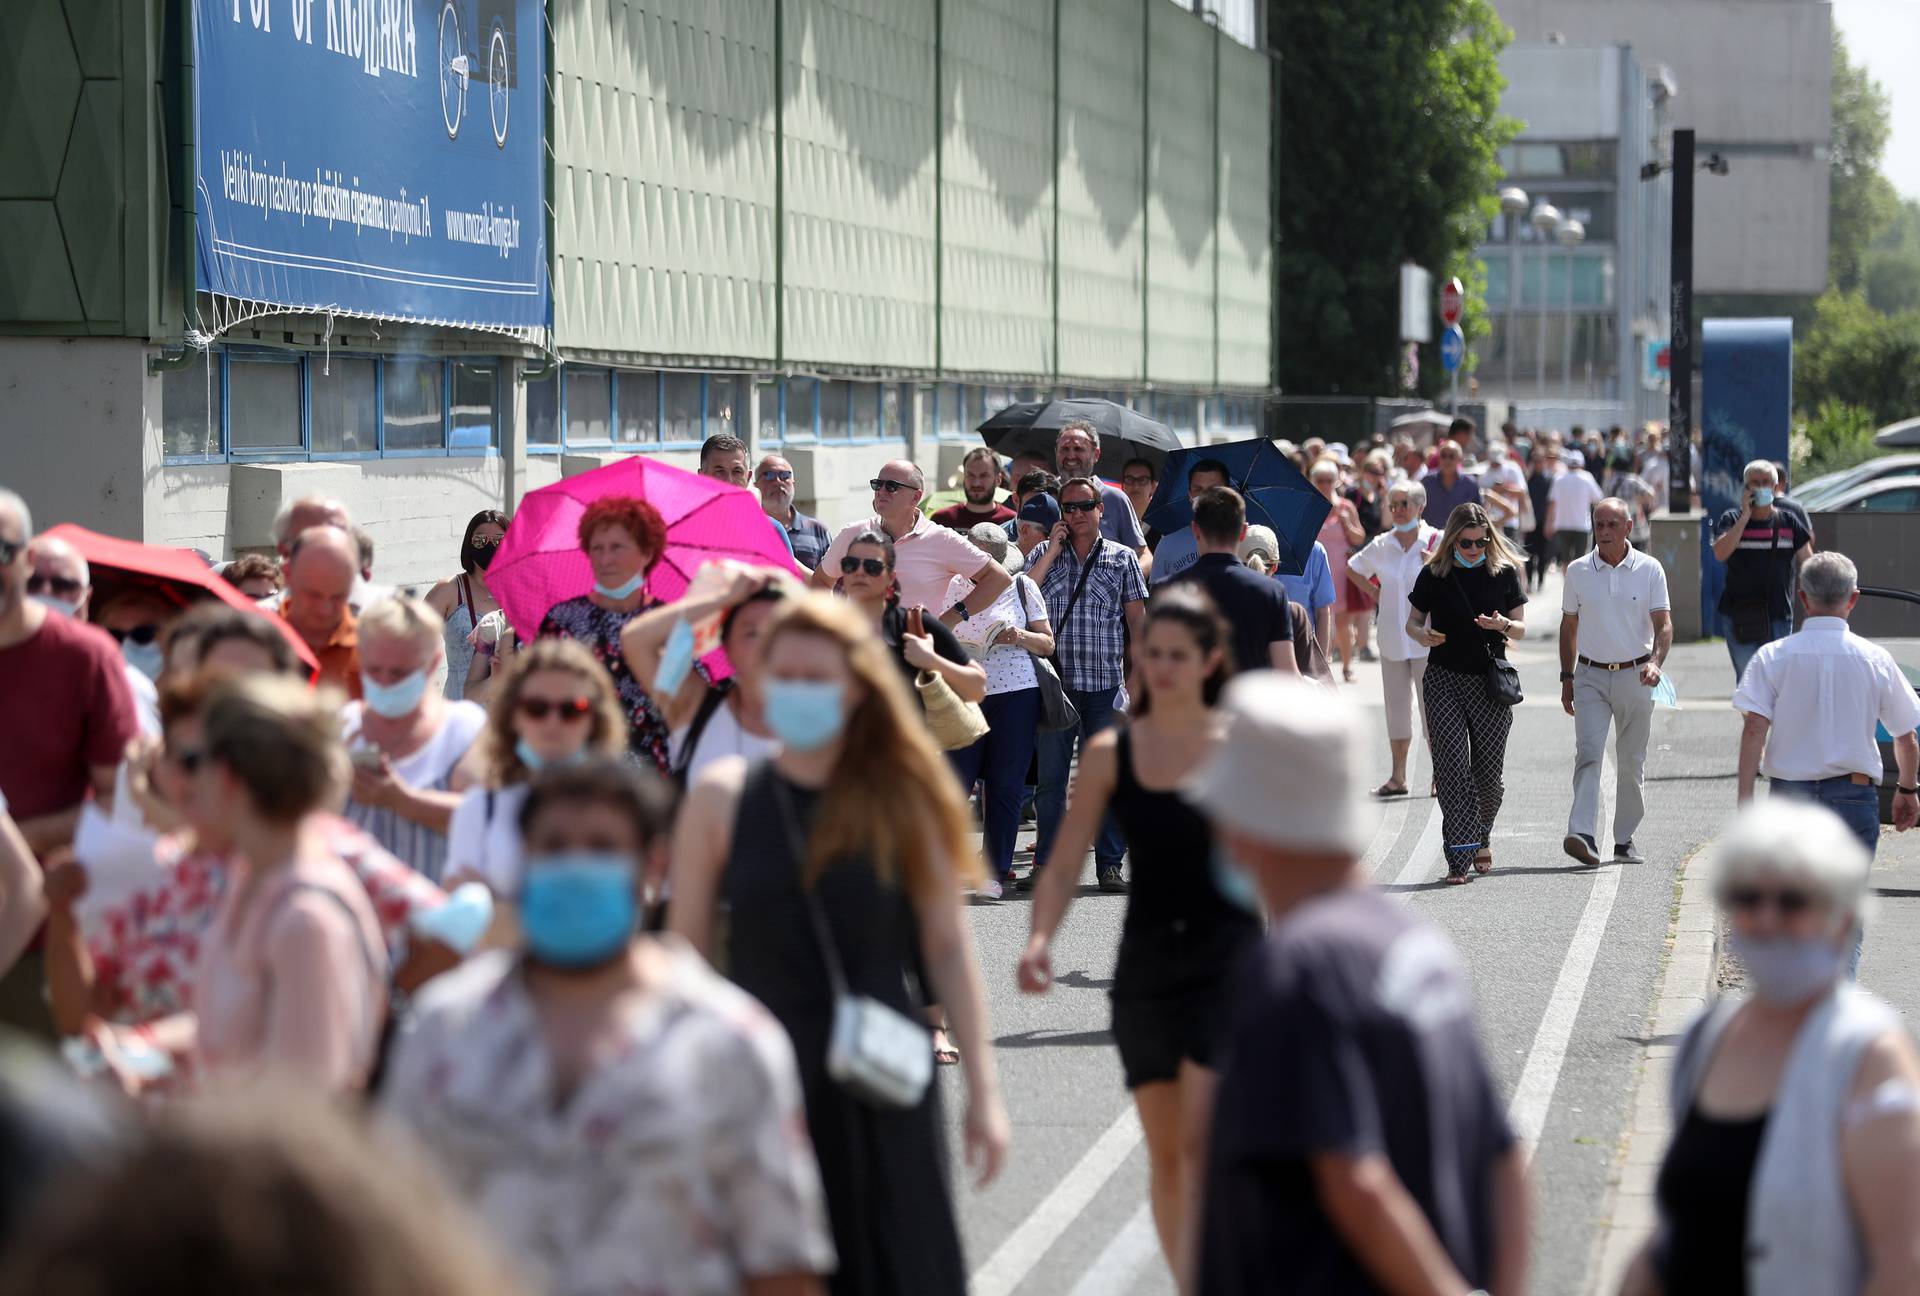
<point x="1746" y="413"/>
<point x="381" y="157"/>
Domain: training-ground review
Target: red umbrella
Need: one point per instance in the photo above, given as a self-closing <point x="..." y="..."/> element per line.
<point x="540" y="563"/>
<point x="181" y="569"/>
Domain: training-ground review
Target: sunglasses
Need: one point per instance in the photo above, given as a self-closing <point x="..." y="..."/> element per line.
<point x="189" y="759"/>
<point x="871" y="566"/>
<point x="1465" y="543"/>
<point x="1079" y="506"/>
<point x="64" y="586"/>
<point x="540" y="708"/>
<point x="140" y="634"/>
<point x="487" y="541"/>
<point x="1788" y="901"/>
<point x="783" y="475"/>
<point x="890" y="487"/>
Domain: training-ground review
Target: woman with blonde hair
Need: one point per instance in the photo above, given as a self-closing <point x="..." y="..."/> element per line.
<point x="552" y="705"/>
<point x="842" y="858"/>
<point x="1465" y="607"/>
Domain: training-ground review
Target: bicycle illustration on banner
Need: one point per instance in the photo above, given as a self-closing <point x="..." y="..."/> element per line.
<point x="458" y="66"/>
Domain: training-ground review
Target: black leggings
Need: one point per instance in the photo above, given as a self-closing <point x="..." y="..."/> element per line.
<point x="1538" y="551"/>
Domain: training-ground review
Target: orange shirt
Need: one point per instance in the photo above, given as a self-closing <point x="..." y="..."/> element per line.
<point x="340" y="656"/>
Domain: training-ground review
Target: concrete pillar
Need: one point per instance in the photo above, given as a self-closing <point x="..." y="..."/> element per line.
<point x="513" y="434"/>
<point x="751" y="417"/>
<point x="917" y="410"/>
<point x="1676" y="546"/>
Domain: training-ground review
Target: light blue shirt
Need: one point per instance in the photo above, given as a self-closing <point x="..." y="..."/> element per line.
<point x="1177" y="552"/>
<point x="1314" y="590"/>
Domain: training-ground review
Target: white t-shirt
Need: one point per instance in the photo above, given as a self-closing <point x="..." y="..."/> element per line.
<point x="722" y="737"/>
<point x="1396" y="569"/>
<point x="1009" y="668"/>
<point x="1615" y="604"/>
<point x="146" y="702"/>
<point x="1571" y="500"/>
<point x="488" y="846"/>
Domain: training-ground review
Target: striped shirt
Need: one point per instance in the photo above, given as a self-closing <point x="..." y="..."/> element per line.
<point x="429" y="769"/>
<point x="1761" y="568"/>
<point x="1091" y="647"/>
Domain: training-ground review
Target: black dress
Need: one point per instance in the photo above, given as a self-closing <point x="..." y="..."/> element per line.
<point x="1182" y="941"/>
<point x="884" y="1169"/>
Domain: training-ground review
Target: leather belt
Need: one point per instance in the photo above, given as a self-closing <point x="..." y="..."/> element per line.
<point x="1617" y="666"/>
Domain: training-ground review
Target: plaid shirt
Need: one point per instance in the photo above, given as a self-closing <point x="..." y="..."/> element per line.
<point x="1091" y="649"/>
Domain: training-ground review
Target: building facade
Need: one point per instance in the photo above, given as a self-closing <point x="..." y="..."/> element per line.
<point x="843" y="229"/>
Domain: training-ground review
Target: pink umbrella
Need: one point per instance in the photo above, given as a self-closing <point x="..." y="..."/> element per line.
<point x="540" y="563"/>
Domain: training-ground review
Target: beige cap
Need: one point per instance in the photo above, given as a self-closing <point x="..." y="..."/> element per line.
<point x="1287" y="773"/>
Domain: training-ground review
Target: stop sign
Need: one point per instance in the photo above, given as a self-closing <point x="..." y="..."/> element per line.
<point x="1450" y="299"/>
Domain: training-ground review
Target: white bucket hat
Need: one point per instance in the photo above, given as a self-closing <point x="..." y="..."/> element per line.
<point x="1287" y="771"/>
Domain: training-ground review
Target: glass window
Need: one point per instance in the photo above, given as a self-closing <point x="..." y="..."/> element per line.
<point x="770" y="434"/>
<point x="680" y="406"/>
<point x="895" y="399"/>
<point x="475" y="396"/>
<point x="800" y="408"/>
<point x="190" y="407"/>
<point x="263" y="400"/>
<point x="345" y="418"/>
<point x="835" y="413"/>
<point x="416" y="392"/>
<point x="726" y="406"/>
<point x="543" y="412"/>
<point x="589" y="406"/>
<point x="951" y="412"/>
<point x="636" y="394"/>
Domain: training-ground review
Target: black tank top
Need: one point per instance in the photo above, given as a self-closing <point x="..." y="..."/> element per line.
<point x="1180" y="931"/>
<point x="1703" y="1189"/>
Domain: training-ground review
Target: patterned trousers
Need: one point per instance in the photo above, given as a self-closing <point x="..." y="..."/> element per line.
<point x="1467" y="732"/>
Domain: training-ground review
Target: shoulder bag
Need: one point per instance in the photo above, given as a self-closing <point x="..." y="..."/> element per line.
<point x="1049" y="665"/>
<point x="1502" y="677"/>
<point x="954" y="722"/>
<point x="1056" y="708"/>
<point x="878" y="1055"/>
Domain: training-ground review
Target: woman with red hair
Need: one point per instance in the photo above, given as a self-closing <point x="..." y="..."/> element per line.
<point x="623" y="538"/>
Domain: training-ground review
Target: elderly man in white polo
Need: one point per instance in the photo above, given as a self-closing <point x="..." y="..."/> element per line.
<point x="1616" y="628"/>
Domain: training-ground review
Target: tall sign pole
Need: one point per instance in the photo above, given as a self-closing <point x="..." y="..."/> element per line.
<point x="1680" y="376"/>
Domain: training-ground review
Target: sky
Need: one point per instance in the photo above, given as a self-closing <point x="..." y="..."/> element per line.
<point x="1884" y="35"/>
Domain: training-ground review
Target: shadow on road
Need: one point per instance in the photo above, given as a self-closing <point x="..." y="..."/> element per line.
<point x="1053" y="1039"/>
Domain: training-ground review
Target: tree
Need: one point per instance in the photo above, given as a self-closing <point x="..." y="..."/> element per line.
<point x="1860" y="201"/>
<point x="1854" y="355"/>
<point x="1891" y="272"/>
<point x="1389" y="136"/>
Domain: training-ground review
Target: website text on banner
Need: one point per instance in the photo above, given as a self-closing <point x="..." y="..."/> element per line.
<point x="378" y="157"/>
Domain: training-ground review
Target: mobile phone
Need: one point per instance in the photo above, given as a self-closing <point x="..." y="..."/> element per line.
<point x="366" y="758"/>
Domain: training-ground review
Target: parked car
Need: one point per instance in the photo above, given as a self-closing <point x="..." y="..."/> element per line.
<point x="1886" y="495"/>
<point x="1813" y="495"/>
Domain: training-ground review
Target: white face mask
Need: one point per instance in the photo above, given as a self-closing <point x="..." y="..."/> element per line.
<point x="53" y="604"/>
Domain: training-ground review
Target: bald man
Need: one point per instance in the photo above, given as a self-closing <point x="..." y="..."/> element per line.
<point x="63" y="583"/>
<point x="304" y="514"/>
<point x="926" y="555"/>
<point x="322" y="565"/>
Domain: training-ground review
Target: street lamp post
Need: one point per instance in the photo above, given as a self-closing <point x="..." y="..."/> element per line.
<point x="1571" y="234"/>
<point x="1513" y="206"/>
<point x="1545" y="219"/>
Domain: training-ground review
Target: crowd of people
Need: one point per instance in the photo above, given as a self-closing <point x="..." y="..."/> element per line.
<point x="652" y="961"/>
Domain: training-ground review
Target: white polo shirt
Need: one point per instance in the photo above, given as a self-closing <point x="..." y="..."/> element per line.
<point x="1824" y="687"/>
<point x="1571" y="499"/>
<point x="1396" y="569"/>
<point x="1615" y="603"/>
<point x="925" y="560"/>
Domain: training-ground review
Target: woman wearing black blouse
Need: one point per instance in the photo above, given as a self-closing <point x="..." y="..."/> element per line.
<point x="1464" y="607"/>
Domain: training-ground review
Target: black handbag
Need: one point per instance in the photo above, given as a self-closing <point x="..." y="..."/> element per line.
<point x="1057" y="711"/>
<point x="1502" y="677"/>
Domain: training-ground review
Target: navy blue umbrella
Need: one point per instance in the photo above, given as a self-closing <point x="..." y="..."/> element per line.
<point x="1277" y="496"/>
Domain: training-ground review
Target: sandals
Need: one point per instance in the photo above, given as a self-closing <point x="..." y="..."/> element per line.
<point x="1483" y="861"/>
<point x="1387" y="789"/>
<point x="945" y="1051"/>
<point x="1456" y="879"/>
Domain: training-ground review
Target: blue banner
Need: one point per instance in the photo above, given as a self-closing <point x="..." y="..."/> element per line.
<point x="1746" y="413"/>
<point x="381" y="157"/>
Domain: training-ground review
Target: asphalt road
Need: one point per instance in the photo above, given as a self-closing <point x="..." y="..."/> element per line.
<point x="1564" y="963"/>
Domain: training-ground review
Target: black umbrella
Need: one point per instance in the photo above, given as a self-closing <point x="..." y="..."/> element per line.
<point x="1124" y="435"/>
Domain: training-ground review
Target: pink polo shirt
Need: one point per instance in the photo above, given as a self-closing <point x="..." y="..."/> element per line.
<point x="925" y="560"/>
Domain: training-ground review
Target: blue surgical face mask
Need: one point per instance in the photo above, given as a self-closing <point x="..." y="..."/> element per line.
<point x="535" y="762"/>
<point x="623" y="591"/>
<point x="401" y="698"/>
<point x="53" y="604"/>
<point x="1474" y="561"/>
<point x="1411" y="524"/>
<point x="577" y="909"/>
<point x="805" y="715"/>
<point x="1763" y="497"/>
<point x="676" y="660"/>
<point x="1788" y="969"/>
<point x="147" y="658"/>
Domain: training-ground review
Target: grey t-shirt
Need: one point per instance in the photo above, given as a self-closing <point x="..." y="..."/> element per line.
<point x="1353" y="1034"/>
<point x="1117" y="520"/>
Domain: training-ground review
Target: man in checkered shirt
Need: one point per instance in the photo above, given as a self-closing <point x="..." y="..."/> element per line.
<point x="1090" y="632"/>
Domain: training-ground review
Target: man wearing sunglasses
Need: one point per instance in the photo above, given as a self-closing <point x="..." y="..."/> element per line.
<point x="68" y="719"/>
<point x="135" y="617"/>
<point x="927" y="556"/>
<point x="808" y="537"/>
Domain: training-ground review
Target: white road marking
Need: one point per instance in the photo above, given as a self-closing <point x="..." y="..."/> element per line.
<point x="1120" y="1264"/>
<point x="1016" y="1257"/>
<point x="1425" y="857"/>
<point x="1384" y="837"/>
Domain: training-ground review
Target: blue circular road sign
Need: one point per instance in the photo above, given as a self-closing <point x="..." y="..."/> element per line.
<point x="1453" y="348"/>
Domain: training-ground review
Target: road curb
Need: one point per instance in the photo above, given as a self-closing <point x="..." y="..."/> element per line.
<point x="1686" y="984"/>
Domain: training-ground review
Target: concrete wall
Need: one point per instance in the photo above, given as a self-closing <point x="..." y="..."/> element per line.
<point x="73" y="422"/>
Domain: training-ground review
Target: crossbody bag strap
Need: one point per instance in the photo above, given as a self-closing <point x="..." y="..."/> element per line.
<point x="1078" y="589"/>
<point x="1484" y="645"/>
<point x="836" y="975"/>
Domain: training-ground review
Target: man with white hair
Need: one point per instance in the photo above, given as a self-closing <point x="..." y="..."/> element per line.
<point x="1812" y="700"/>
<point x="926" y="555"/>
<point x="298" y="516"/>
<point x="1763" y="543"/>
<point x="63" y="583"/>
<point x="1353" y="1014"/>
<point x="806" y="536"/>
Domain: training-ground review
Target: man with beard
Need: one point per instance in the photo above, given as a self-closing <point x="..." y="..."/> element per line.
<point x="980" y="480"/>
<point x="1077" y="449"/>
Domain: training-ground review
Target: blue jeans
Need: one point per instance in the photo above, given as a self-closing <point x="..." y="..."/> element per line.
<point x="1056" y="768"/>
<point x="1000" y="758"/>
<point x="1857" y="804"/>
<point x="1742" y="653"/>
